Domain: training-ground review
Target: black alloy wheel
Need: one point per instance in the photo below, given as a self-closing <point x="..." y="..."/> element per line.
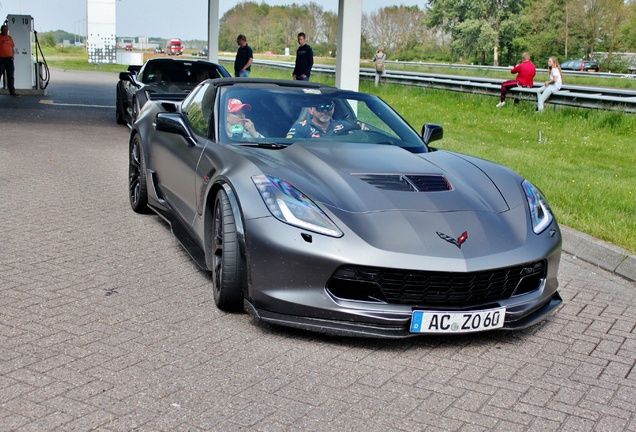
<point x="226" y="265"/>
<point x="137" y="188"/>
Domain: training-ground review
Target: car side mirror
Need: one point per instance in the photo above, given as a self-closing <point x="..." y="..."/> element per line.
<point x="174" y="124"/>
<point x="125" y="76"/>
<point x="432" y="132"/>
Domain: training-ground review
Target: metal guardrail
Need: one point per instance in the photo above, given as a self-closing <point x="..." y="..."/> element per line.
<point x="569" y="95"/>
<point x="507" y="69"/>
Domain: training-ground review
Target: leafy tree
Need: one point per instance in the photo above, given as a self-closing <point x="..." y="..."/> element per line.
<point x="402" y="31"/>
<point x="574" y="28"/>
<point x="545" y="29"/>
<point x="628" y="30"/>
<point x="57" y="36"/>
<point x="47" y="40"/>
<point x="274" y="28"/>
<point x="240" y="20"/>
<point x="476" y="26"/>
<point x="610" y="17"/>
<point x="330" y="33"/>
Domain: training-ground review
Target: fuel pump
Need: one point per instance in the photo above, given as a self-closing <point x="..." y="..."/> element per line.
<point x="28" y="70"/>
<point x="21" y="31"/>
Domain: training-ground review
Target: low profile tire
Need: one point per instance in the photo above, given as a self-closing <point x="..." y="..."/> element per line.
<point x="119" y="117"/>
<point x="226" y="265"/>
<point x="137" y="187"/>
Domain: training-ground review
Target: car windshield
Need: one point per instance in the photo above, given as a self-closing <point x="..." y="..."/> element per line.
<point x="286" y="115"/>
<point x="182" y="74"/>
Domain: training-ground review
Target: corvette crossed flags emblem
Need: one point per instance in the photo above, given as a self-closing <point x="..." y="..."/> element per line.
<point x="457" y="242"/>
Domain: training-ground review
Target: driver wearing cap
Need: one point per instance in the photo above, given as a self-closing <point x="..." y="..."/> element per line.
<point x="321" y="123"/>
<point x="239" y="126"/>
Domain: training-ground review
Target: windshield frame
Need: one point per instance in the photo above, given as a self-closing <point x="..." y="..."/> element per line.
<point x="274" y="109"/>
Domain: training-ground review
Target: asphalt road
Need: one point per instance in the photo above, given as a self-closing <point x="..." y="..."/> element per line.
<point x="105" y="322"/>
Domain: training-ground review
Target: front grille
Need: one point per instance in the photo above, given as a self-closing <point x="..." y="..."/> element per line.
<point x="407" y="183"/>
<point x="425" y="288"/>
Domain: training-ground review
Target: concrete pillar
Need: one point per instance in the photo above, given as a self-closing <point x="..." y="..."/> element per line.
<point x="213" y="30"/>
<point x="349" y="38"/>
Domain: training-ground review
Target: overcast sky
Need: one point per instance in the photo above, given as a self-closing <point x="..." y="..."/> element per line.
<point x="185" y="19"/>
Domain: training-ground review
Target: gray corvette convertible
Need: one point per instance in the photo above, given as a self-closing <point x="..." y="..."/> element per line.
<point x="322" y="209"/>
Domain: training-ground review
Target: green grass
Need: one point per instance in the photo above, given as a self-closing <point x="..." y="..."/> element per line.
<point x="585" y="161"/>
<point x="76" y="58"/>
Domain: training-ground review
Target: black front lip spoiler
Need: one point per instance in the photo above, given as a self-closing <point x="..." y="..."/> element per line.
<point x="547" y="309"/>
<point x="358" y="329"/>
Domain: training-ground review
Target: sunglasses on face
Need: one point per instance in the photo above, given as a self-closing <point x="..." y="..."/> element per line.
<point x="324" y="107"/>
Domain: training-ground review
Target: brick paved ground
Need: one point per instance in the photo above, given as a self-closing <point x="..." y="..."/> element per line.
<point x="105" y="323"/>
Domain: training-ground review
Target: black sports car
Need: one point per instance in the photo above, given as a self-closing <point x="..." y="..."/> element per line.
<point x="166" y="78"/>
<point x="322" y="209"/>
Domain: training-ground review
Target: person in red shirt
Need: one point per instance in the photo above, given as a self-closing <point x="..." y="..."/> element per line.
<point x="526" y="70"/>
<point x="6" y="58"/>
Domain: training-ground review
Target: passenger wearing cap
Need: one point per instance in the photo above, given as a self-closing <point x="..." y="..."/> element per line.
<point x="239" y="126"/>
<point x="320" y="124"/>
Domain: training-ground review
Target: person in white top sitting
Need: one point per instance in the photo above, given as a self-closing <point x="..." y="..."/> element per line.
<point x="552" y="85"/>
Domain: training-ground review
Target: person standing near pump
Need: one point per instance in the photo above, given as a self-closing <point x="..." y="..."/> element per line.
<point x="6" y="58"/>
<point x="526" y="70"/>
<point x="244" y="58"/>
<point x="304" y="60"/>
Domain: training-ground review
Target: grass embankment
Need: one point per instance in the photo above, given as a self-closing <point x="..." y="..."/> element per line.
<point x="584" y="160"/>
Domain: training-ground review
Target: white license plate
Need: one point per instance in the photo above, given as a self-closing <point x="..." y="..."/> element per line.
<point x="457" y="322"/>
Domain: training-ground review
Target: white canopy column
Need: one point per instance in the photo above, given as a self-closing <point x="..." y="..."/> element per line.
<point x="348" y="48"/>
<point x="213" y="30"/>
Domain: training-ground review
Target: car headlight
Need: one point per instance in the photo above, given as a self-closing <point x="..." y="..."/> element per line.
<point x="289" y="205"/>
<point x="540" y="211"/>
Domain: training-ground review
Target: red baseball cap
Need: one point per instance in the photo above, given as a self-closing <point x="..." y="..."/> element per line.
<point x="235" y="105"/>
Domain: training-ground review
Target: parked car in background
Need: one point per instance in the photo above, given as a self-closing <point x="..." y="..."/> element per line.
<point x="581" y="65"/>
<point x="322" y="209"/>
<point x="174" y="47"/>
<point x="168" y="78"/>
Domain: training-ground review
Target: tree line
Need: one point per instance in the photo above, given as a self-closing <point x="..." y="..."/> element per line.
<point x="494" y="32"/>
<point x="488" y="32"/>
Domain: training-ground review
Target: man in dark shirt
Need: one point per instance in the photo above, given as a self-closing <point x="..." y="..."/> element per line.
<point x="304" y="60"/>
<point x="244" y="58"/>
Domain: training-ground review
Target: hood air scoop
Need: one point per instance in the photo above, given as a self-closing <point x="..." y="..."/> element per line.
<point x="407" y="183"/>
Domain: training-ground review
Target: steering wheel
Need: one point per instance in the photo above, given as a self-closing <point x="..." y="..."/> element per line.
<point x="347" y="129"/>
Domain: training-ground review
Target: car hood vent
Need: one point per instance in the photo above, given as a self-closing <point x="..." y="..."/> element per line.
<point x="407" y="183"/>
